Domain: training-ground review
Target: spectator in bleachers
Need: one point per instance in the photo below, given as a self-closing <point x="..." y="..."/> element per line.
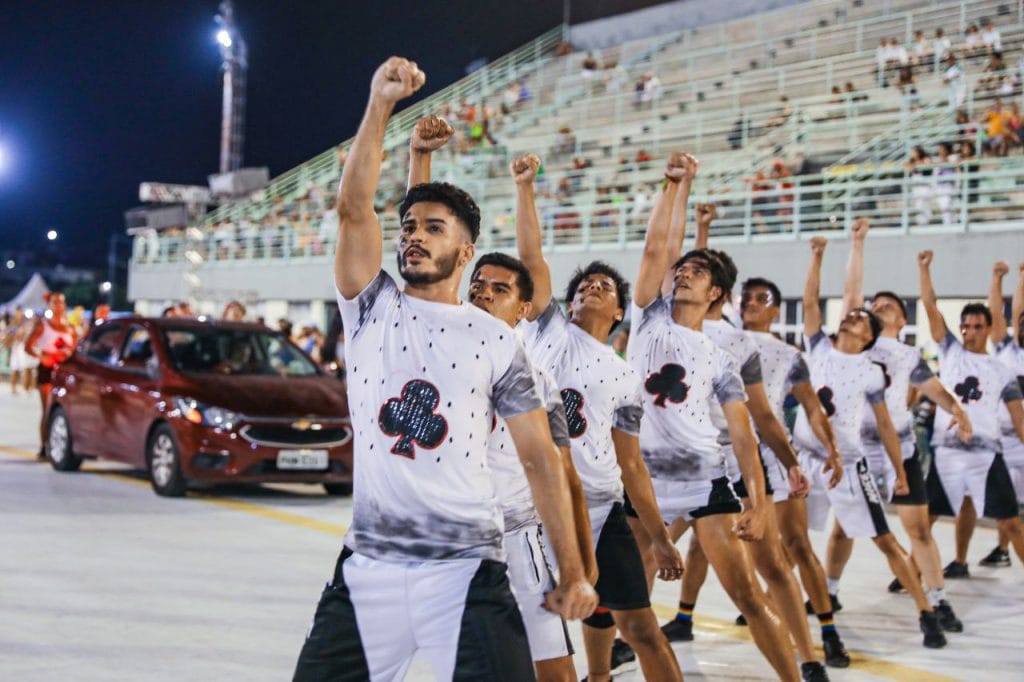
<point x="908" y="89"/>
<point x="853" y="94"/>
<point x="589" y="66"/>
<point x="648" y="91"/>
<point x="234" y="311"/>
<point x="565" y="142"/>
<point x="784" y="111"/>
<point x="954" y="78"/>
<point x="990" y="36"/>
<point x="965" y="126"/>
<point x="998" y="133"/>
<point x="837" y="95"/>
<point x="922" y="50"/>
<point x="882" y="60"/>
<point x="973" y="44"/>
<point x="224" y="238"/>
<point x="969" y="166"/>
<point x="643" y="159"/>
<point x="940" y="46"/>
<point x="782" y="181"/>
<point x="945" y="181"/>
<point x="995" y="73"/>
<point x="564" y="48"/>
<point x="510" y="98"/>
<point x="918" y="168"/>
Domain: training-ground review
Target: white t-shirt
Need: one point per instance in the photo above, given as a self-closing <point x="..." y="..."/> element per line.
<point x="991" y="38"/>
<point x="846" y="384"/>
<point x="600" y="392"/>
<point x="509" y="478"/>
<point x="782" y="368"/>
<point x="903" y="367"/>
<point x="743" y="350"/>
<point x="1011" y="355"/>
<point x="424" y="381"/>
<point x="981" y="383"/>
<point x="684" y="374"/>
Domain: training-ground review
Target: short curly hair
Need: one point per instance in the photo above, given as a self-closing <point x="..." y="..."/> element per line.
<point x="598" y="267"/>
<point x="457" y="200"/>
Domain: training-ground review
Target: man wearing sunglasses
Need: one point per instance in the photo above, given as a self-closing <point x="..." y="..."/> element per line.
<point x="846" y="381"/>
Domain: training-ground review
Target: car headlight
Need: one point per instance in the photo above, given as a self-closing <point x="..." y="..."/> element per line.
<point x="208" y="415"/>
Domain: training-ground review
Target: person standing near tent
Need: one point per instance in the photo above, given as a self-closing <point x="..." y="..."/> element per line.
<point x="21" y="363"/>
<point x="52" y="340"/>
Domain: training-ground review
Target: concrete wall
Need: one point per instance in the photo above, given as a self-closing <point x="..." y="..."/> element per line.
<point x="963" y="263"/>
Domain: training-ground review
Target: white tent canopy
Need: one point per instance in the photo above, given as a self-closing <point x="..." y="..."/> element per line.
<point x="31" y="295"/>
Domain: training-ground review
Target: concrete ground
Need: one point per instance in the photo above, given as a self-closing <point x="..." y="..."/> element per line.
<point x="101" y="580"/>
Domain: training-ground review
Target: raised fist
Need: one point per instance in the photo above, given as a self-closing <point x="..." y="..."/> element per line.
<point x="705" y="214"/>
<point x="818" y="246"/>
<point x="396" y="79"/>
<point x="524" y="168"/>
<point x="924" y="259"/>
<point x="430" y="134"/>
<point x="681" y="167"/>
<point x="1000" y="269"/>
<point x="859" y="229"/>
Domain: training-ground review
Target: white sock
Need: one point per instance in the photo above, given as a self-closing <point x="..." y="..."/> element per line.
<point x="833" y="585"/>
<point x="935" y="596"/>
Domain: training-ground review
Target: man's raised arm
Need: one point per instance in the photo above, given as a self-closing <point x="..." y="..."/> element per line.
<point x="528" y="235"/>
<point x="812" y="288"/>
<point x="936" y="323"/>
<point x="656" y="257"/>
<point x="360" y="245"/>
<point x="706" y="214"/>
<point x="995" y="301"/>
<point x="430" y="134"/>
<point x="853" y="291"/>
<point x="1017" y="304"/>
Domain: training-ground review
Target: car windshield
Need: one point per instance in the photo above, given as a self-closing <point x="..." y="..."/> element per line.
<point x="212" y="350"/>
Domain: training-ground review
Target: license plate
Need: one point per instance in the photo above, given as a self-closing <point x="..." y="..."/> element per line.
<point x="302" y="459"/>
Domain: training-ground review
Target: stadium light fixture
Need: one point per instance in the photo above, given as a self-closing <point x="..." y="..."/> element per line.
<point x="51" y="235"/>
<point x="224" y="38"/>
<point x="10" y="264"/>
<point x="3" y="157"/>
<point x="105" y="287"/>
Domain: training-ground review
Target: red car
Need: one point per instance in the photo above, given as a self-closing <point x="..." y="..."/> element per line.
<point x="195" y="400"/>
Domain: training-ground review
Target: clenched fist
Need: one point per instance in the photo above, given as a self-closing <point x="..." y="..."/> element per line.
<point x="430" y="134"/>
<point x="396" y="79"/>
<point x="681" y="167"/>
<point x="924" y="259"/>
<point x="705" y="214"/>
<point x="524" y="168"/>
<point x="859" y="229"/>
<point x="818" y="245"/>
<point x="1000" y="269"/>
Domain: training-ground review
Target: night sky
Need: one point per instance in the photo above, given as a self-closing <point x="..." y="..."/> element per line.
<point x="96" y="97"/>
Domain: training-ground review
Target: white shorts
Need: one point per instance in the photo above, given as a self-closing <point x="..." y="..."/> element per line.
<point x="1013" y="453"/>
<point x="374" y="616"/>
<point x="981" y="475"/>
<point x="778" y="477"/>
<point x="531" y="577"/>
<point x="879" y="465"/>
<point x="690" y="500"/>
<point x="855" y="501"/>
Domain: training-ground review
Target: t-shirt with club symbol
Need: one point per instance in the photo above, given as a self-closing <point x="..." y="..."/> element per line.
<point x="903" y="367"/>
<point x="1012" y="355"/>
<point x="685" y="373"/>
<point x="425" y="381"/>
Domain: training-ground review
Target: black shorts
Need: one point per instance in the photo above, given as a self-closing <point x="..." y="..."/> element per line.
<point x="719" y="500"/>
<point x="44" y="375"/>
<point x="741" y="487"/>
<point x="622" y="580"/>
<point x="918" y="493"/>
<point x="992" y="491"/>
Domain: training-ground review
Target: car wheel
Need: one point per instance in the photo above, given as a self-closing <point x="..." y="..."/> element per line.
<point x="164" y="462"/>
<point x="58" y="443"/>
<point x="341" y="489"/>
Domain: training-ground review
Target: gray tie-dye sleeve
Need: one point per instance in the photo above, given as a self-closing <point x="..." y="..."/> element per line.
<point x="1011" y="391"/>
<point x="816" y="339"/>
<point x="557" y="421"/>
<point x="750" y="372"/>
<point x="874" y="392"/>
<point x="552" y="320"/>
<point x="799" y="373"/>
<point x="948" y="342"/>
<point x="921" y="373"/>
<point x="1004" y="343"/>
<point x="355" y="311"/>
<point x="629" y="411"/>
<point x="728" y="385"/>
<point x="641" y="318"/>
<point x="516" y="392"/>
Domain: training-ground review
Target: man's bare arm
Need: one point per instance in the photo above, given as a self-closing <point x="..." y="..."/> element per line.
<point x="995" y="301"/>
<point x="937" y="393"/>
<point x="891" y="442"/>
<point x="936" y="323"/>
<point x="817" y="418"/>
<point x="812" y="287"/>
<point x="581" y="517"/>
<point x="775" y="437"/>
<point x="750" y="525"/>
<point x="1017" y="304"/>
<point x="637" y="481"/>
<point x="574" y="597"/>
<point x="677" y="224"/>
<point x="528" y="233"/>
<point x="430" y="134"/>
<point x="853" y="291"/>
<point x="1016" y="410"/>
<point x="656" y="258"/>
<point x="357" y="258"/>
<point x="706" y="214"/>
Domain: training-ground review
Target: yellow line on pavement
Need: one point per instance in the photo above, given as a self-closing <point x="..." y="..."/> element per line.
<point x="861" y="662"/>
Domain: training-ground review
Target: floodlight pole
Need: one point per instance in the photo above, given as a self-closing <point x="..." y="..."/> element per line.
<point x="235" y="64"/>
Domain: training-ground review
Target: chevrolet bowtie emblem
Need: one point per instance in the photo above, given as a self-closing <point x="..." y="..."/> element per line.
<point x="302" y="425"/>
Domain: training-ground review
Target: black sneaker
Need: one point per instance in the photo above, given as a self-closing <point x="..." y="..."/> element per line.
<point x="896" y="587"/>
<point x="997" y="558"/>
<point x="813" y="672"/>
<point x="836" y="606"/>
<point x="955" y="569"/>
<point x="948" y="619"/>
<point x="933" y="637"/>
<point x="622" y="655"/>
<point x="678" y="630"/>
<point x="741" y="620"/>
<point x="835" y="652"/>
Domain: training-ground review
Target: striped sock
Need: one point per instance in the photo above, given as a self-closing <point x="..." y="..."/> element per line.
<point x="685" y="612"/>
<point x="827" y="622"/>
